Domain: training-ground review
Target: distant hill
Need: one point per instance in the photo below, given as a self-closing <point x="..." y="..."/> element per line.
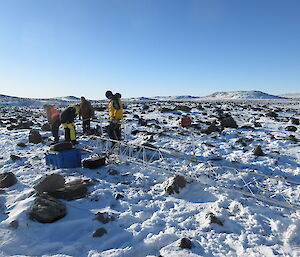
<point x="6" y="100"/>
<point x="243" y="95"/>
<point x="294" y="95"/>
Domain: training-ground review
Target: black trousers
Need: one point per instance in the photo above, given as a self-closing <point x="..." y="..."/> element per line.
<point x="86" y="125"/>
<point x="114" y="131"/>
<point x="55" y="130"/>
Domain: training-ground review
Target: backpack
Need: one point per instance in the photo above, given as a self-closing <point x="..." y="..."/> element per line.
<point x="185" y="121"/>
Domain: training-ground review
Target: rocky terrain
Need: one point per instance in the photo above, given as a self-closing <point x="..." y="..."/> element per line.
<point x="127" y="209"/>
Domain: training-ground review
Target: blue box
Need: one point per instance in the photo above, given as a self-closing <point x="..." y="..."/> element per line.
<point x="65" y="159"/>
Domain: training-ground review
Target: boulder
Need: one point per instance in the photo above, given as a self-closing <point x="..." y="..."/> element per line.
<point x="7" y="179"/>
<point x="72" y="190"/>
<point x="35" y="137"/>
<point x="46" y="127"/>
<point x="50" y="183"/>
<point x="173" y="184"/>
<point x="99" y="232"/>
<point x="183" y="108"/>
<point x="258" y="151"/>
<point x="228" y="122"/>
<point x="295" y="121"/>
<point x="21" y="144"/>
<point x="272" y="114"/>
<point x="104" y="217"/>
<point x="15" y="157"/>
<point x="213" y="219"/>
<point x="291" y="128"/>
<point x="185" y="243"/>
<point x="47" y="209"/>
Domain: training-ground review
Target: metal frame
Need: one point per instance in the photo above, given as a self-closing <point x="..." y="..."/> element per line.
<point x="247" y="182"/>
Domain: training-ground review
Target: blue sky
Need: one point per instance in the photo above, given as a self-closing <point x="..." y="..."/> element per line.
<point x="54" y="48"/>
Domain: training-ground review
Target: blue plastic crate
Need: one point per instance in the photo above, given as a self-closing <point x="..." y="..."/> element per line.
<point x="65" y="159"/>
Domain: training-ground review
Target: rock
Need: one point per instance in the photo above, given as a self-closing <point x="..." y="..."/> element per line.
<point x="213" y="219"/>
<point x="295" y="121"/>
<point x="14" y="224"/>
<point x="50" y="183"/>
<point x="46" y="127"/>
<point x="21" y="144"/>
<point x="164" y="109"/>
<point x="228" y="122"/>
<point x="272" y="114"/>
<point x="257" y="124"/>
<point x="15" y="157"/>
<point x="143" y="122"/>
<point x="185" y="243"/>
<point x="183" y="108"/>
<point x="113" y="172"/>
<point x="7" y="179"/>
<point x="47" y="209"/>
<point x="119" y="196"/>
<point x="210" y="129"/>
<point x="173" y="184"/>
<point x="104" y="217"/>
<point x="247" y="127"/>
<point x="291" y="128"/>
<point x="99" y="232"/>
<point x="34" y="137"/>
<point x="258" y="151"/>
<point x="73" y="190"/>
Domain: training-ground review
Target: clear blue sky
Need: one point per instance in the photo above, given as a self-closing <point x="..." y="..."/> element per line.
<point x="54" y="48"/>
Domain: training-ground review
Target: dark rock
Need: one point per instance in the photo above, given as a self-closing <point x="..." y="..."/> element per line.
<point x="291" y="128"/>
<point x="247" y="127"/>
<point x="21" y="144"/>
<point x="210" y="129"/>
<point x="14" y="224"/>
<point x="258" y="151"/>
<point x="213" y="219"/>
<point x="15" y="157"/>
<point x="173" y="184"/>
<point x="272" y="114"/>
<point x="119" y="196"/>
<point x="113" y="172"/>
<point x="164" y="109"/>
<point x="104" y="217"/>
<point x="7" y="179"/>
<point x="228" y="122"/>
<point x="295" y="121"/>
<point x="47" y="209"/>
<point x="183" y="108"/>
<point x="34" y="137"/>
<point x="73" y="190"/>
<point x="185" y="243"/>
<point x="50" y="183"/>
<point x="142" y="122"/>
<point x="99" y="232"/>
<point x="46" y="127"/>
<point x="257" y="124"/>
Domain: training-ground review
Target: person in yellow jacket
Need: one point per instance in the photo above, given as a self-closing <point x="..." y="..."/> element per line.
<point x="115" y="111"/>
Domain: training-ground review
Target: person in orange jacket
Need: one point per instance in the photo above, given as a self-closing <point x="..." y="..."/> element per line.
<point x="53" y="118"/>
<point x="115" y="111"/>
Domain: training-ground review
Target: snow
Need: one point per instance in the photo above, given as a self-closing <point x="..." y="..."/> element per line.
<point x="148" y="221"/>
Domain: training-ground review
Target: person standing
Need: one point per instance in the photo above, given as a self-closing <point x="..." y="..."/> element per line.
<point x="115" y="110"/>
<point x="54" y="120"/>
<point x="67" y="118"/>
<point x="86" y="112"/>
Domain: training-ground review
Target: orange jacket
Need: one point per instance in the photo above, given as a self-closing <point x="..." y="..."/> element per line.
<point x="52" y="114"/>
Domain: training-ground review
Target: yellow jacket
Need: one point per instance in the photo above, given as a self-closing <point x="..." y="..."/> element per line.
<point x="115" y="108"/>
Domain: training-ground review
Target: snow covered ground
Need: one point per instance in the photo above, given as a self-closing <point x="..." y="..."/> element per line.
<point x="147" y="220"/>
